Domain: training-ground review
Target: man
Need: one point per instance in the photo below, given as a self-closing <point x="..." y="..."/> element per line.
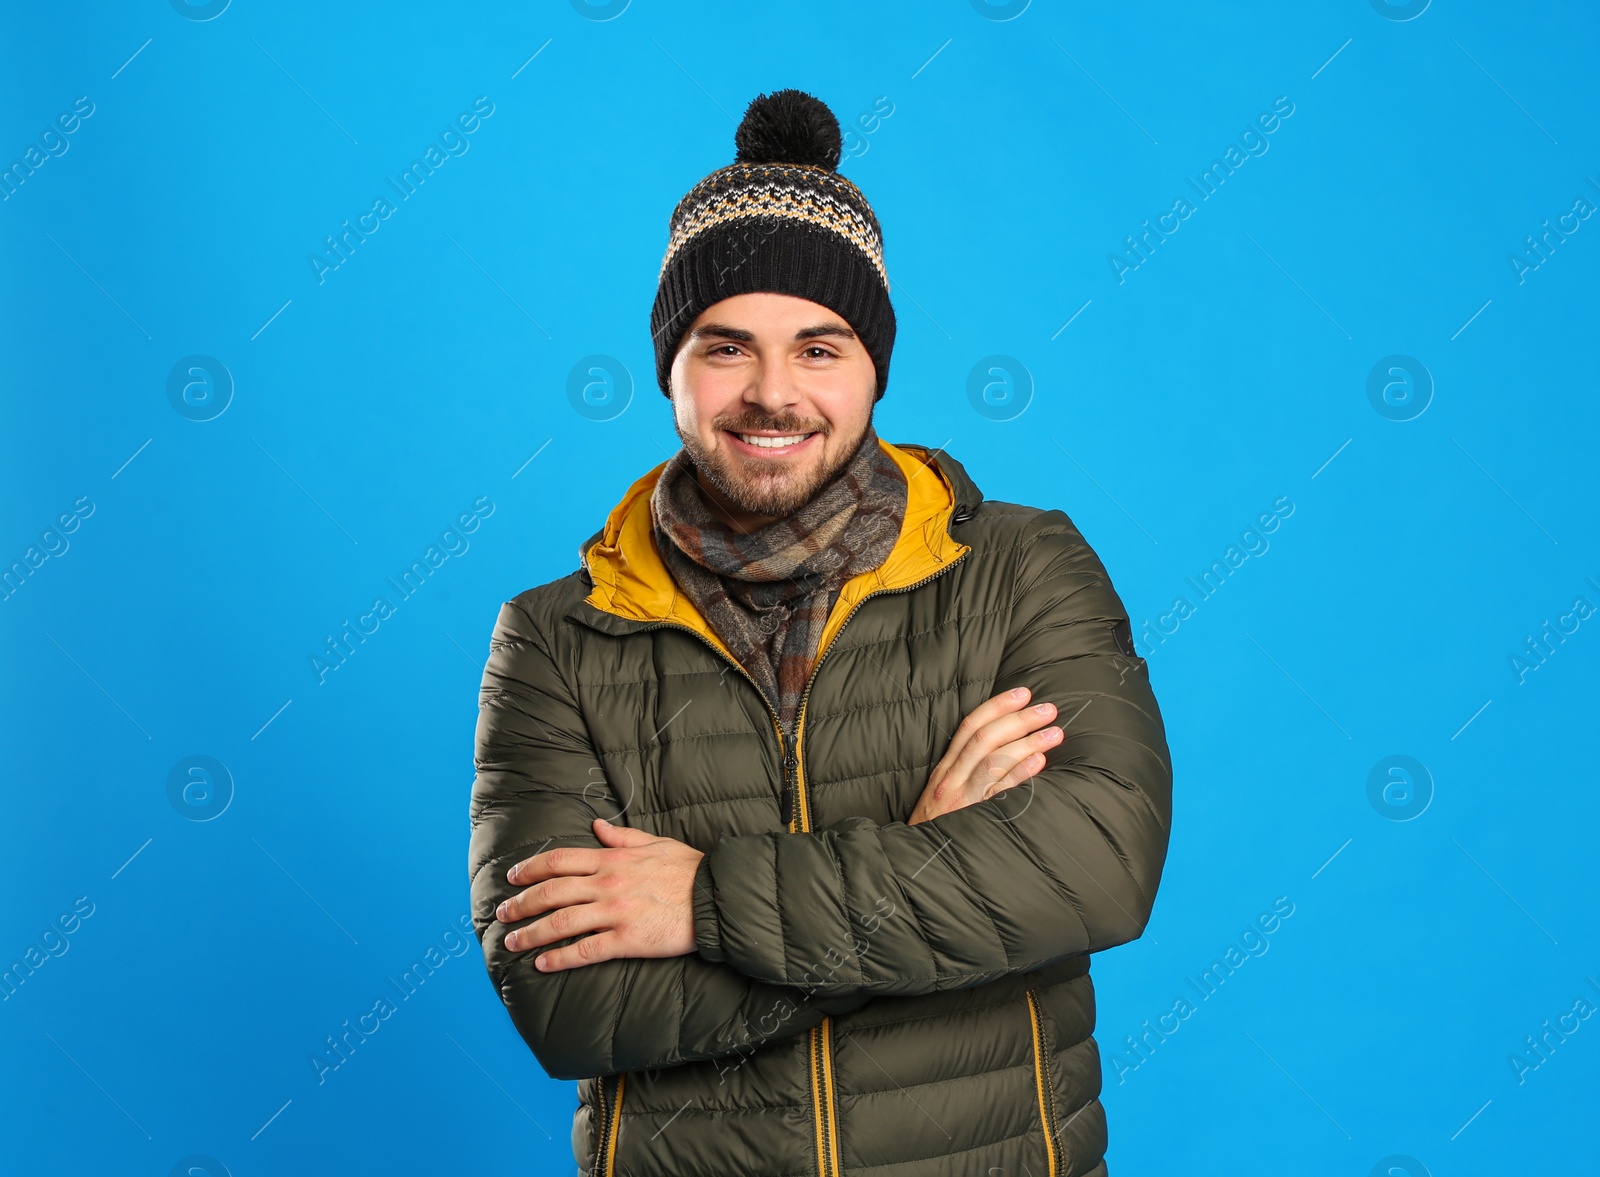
<point x="802" y="803"/>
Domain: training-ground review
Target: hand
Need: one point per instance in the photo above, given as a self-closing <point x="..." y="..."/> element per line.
<point x="994" y="748"/>
<point x="635" y="895"/>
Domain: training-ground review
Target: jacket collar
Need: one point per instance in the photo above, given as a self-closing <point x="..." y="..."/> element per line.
<point x="631" y="583"/>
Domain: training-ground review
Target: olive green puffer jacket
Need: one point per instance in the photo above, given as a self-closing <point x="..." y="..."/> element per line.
<point x="867" y="996"/>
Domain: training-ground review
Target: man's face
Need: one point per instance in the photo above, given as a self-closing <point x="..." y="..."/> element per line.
<point x="776" y="368"/>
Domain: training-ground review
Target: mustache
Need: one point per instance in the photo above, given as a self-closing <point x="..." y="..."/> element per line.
<point x="764" y="424"/>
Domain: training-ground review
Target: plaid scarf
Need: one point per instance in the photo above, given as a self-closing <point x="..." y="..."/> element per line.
<point x="768" y="594"/>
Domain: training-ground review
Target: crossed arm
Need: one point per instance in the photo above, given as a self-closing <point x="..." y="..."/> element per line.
<point x="985" y="878"/>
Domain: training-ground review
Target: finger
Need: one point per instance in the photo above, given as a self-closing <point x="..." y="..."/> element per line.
<point x="1010" y="764"/>
<point x="1029" y="762"/>
<point x="573" y="920"/>
<point x="561" y="891"/>
<point x="996" y="734"/>
<point x="983" y="713"/>
<point x="969" y="775"/>
<point x="1031" y="755"/>
<point x="589" y="950"/>
<point x="563" y="860"/>
<point x="615" y="835"/>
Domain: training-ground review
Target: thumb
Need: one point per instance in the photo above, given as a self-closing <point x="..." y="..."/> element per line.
<point x="615" y="835"/>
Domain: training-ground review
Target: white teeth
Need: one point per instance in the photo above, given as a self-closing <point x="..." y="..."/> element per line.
<point x="771" y="442"/>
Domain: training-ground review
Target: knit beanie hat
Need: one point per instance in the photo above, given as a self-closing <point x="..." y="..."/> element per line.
<point x="780" y="218"/>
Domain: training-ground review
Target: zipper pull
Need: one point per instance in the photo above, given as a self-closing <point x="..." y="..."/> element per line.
<point x="786" y="809"/>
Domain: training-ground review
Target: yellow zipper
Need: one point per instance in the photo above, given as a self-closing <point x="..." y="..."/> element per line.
<point x="822" y="1098"/>
<point x="610" y="1121"/>
<point x="1041" y="1080"/>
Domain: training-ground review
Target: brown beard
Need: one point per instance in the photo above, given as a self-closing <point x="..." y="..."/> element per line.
<point x="775" y="497"/>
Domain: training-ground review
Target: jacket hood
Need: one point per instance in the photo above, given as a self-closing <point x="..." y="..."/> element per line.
<point x="632" y="583"/>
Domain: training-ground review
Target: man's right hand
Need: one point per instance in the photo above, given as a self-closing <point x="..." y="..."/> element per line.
<point x="995" y="748"/>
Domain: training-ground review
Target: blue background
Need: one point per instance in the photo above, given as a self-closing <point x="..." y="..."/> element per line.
<point x="1165" y="408"/>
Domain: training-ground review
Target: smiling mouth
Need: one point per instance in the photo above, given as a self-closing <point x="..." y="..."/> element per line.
<point x="774" y="444"/>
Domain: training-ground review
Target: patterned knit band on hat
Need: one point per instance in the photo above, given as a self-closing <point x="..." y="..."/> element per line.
<point x="779" y="218"/>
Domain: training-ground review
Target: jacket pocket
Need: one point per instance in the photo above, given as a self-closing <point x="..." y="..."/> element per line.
<point x="1044" y="1085"/>
<point x="608" y="1117"/>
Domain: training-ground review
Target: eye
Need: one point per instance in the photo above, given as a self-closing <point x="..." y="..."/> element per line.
<point x="825" y="353"/>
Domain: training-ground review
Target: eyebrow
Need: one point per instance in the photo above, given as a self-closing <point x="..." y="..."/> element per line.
<point x="724" y="331"/>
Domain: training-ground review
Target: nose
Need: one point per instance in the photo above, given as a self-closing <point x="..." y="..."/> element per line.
<point x="773" y="389"/>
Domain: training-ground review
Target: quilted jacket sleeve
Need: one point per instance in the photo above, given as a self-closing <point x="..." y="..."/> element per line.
<point x="539" y="785"/>
<point x="1063" y="864"/>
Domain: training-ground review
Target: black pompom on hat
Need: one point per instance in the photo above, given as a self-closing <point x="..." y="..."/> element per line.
<point x="780" y="218"/>
<point x="788" y="127"/>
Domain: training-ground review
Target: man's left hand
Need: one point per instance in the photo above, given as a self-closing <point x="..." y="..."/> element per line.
<point x="634" y="898"/>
